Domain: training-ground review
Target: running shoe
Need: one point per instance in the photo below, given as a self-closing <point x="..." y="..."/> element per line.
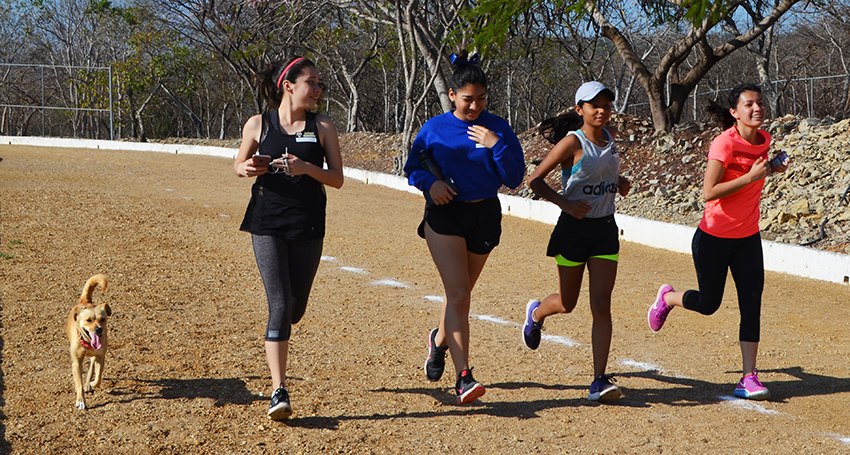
<point x="531" y="329"/>
<point x="467" y="388"/>
<point x="659" y="310"/>
<point x="751" y="388"/>
<point x="603" y="389"/>
<point x="436" y="362"/>
<point x="279" y="408"/>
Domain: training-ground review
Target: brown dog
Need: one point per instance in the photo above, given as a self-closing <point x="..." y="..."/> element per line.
<point x="87" y="333"/>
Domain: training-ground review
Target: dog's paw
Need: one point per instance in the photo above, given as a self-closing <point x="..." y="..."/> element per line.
<point x="89" y="387"/>
<point x="81" y="405"/>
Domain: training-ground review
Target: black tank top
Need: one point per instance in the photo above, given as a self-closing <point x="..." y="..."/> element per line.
<point x="289" y="207"/>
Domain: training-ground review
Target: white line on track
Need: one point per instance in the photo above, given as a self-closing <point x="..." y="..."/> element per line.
<point x="553" y="338"/>
<point x="647" y="366"/>
<point x="840" y="438"/>
<point x="388" y="282"/>
<point x="748" y="405"/>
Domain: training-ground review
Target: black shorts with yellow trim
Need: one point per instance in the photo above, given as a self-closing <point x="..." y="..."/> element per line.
<point x="574" y="241"/>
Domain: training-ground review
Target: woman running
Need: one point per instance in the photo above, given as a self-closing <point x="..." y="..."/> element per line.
<point x="586" y="234"/>
<point x="459" y="160"/>
<point x="286" y="214"/>
<point x="728" y="236"/>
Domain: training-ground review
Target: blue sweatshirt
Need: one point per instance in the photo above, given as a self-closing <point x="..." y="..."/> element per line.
<point x="479" y="172"/>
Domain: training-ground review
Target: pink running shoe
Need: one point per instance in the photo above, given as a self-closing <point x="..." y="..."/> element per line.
<point x="659" y="310"/>
<point x="751" y="388"/>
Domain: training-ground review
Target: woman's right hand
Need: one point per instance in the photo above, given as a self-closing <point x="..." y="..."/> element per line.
<point x="248" y="169"/>
<point x="576" y="209"/>
<point x="441" y="192"/>
<point x="760" y="170"/>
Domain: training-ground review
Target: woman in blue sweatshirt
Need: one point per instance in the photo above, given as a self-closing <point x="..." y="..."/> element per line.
<point x="459" y="160"/>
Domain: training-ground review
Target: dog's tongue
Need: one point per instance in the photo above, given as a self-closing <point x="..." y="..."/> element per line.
<point x="95" y="341"/>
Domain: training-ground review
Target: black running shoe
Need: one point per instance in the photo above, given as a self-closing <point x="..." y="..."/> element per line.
<point x="280" y="409"/>
<point x="436" y="362"/>
<point x="467" y="388"/>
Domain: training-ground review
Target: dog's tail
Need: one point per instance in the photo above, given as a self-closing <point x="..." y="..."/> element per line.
<point x="91" y="284"/>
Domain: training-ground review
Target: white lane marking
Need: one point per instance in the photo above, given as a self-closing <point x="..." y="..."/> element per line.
<point x="648" y="366"/>
<point x="561" y="340"/>
<point x="840" y="438"/>
<point x="488" y="318"/>
<point x="553" y="338"/>
<point x="388" y="282"/>
<point x="748" y="405"/>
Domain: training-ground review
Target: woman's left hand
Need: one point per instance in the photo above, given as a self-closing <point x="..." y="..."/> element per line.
<point x="483" y="136"/>
<point x="291" y="164"/>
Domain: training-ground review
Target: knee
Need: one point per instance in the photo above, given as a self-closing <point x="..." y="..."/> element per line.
<point x="701" y="303"/>
<point x="601" y="309"/>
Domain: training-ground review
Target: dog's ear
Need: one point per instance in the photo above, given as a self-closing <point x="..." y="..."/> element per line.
<point x="77" y="310"/>
<point x="108" y="309"/>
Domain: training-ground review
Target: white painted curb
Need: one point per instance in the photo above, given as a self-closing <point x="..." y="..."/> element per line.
<point x="778" y="257"/>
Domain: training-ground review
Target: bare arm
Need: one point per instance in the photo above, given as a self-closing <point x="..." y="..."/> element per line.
<point x="712" y="187"/>
<point x="565" y="153"/>
<point x="243" y="166"/>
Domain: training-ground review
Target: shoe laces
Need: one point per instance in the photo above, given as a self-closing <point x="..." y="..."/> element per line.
<point x="465" y="376"/>
<point x="280" y="392"/>
<point x="753" y="379"/>
<point x="609" y="378"/>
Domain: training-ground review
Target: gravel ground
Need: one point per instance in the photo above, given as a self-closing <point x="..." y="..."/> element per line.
<point x="186" y="370"/>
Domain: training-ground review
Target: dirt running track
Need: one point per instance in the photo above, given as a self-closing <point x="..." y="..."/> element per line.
<point x="186" y="371"/>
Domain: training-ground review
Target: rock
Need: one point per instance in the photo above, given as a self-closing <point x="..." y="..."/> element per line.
<point x="800" y="208"/>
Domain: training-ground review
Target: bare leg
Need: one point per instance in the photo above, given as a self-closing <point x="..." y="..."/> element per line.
<point x="674" y="299"/>
<point x="749" y="352"/>
<point x="603" y="274"/>
<point x="276" y="354"/>
<point x="459" y="270"/>
<point x="569" y="279"/>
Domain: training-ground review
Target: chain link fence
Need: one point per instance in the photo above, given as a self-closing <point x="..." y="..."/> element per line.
<point x="56" y="100"/>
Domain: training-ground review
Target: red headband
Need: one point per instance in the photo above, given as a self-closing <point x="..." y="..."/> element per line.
<point x="280" y="79"/>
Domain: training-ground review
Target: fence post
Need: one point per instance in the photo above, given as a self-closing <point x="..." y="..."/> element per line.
<point x="42" y="101"/>
<point x="111" y="109"/>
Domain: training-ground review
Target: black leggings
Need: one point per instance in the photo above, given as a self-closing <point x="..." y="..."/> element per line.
<point x="713" y="256"/>
<point x="288" y="268"/>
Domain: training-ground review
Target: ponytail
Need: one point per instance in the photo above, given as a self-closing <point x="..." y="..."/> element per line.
<point x="270" y="79"/>
<point x="556" y="128"/>
<point x="721" y="114"/>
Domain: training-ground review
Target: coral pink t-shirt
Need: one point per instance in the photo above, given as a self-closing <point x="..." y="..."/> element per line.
<point x="737" y="215"/>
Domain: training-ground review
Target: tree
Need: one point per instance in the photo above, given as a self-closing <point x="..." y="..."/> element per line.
<point x="246" y="34"/>
<point x="667" y="85"/>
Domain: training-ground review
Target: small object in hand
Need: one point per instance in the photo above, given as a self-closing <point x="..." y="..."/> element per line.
<point x="260" y="161"/>
<point x="778" y="160"/>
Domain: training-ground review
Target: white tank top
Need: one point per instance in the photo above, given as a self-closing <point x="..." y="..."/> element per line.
<point x="594" y="179"/>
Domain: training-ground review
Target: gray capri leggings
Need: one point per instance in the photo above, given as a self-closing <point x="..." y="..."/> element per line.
<point x="287" y="268"/>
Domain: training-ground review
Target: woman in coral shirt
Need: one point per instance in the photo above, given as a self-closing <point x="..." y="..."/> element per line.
<point x="728" y="236"/>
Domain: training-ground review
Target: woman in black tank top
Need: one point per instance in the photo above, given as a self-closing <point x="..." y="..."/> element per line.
<point x="286" y="213"/>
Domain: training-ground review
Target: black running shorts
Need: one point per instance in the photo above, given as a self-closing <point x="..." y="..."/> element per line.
<point x="480" y="223"/>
